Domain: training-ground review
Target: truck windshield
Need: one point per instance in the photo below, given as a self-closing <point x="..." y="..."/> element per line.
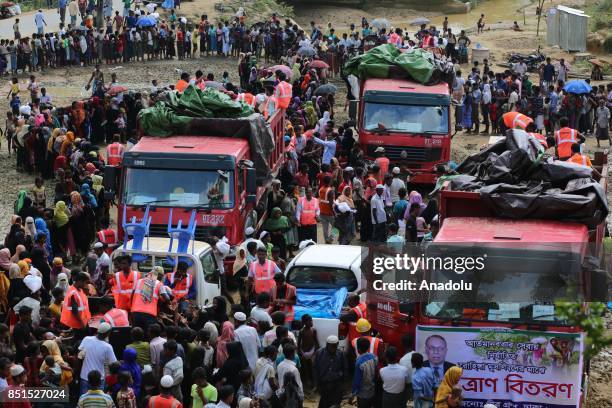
<point x="316" y="277"/>
<point x="179" y="188"/>
<point x="511" y="289"/>
<point x="405" y="118"/>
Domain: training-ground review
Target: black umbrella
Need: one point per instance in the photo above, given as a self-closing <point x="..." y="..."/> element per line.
<point x="326" y="89"/>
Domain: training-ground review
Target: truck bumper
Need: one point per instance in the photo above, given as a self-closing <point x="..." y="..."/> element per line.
<point x="424" y="178"/>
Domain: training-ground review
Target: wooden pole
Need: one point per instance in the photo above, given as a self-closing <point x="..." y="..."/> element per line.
<point x="540" y="7"/>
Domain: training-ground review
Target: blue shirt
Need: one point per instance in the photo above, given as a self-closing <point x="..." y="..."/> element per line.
<point x="39" y="19"/>
<point x="131" y="21"/>
<point x="554" y="99"/>
<point x="365" y="375"/>
<point x="549" y="72"/>
<point x="329" y="149"/>
<point x="423" y="382"/>
<point x="62" y="3"/>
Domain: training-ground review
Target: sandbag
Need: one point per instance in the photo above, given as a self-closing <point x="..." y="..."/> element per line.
<point x="321" y="303"/>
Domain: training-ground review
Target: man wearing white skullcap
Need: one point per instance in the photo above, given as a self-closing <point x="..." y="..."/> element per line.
<point x="248" y="338"/>
<point x="165" y="398"/>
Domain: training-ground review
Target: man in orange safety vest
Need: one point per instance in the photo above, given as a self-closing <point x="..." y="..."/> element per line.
<point x="181" y="283"/>
<point x="261" y="273"/>
<point x="114" y="151"/>
<point x="123" y="283"/>
<point x="283" y="91"/>
<point x="283" y="297"/>
<point x="146" y="297"/>
<point x="75" y="309"/>
<point x="565" y="138"/>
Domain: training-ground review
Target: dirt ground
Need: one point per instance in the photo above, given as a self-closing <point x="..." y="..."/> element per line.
<point x="66" y="85"/>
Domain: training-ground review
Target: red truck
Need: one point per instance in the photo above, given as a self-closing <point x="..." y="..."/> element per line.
<point x="210" y="171"/>
<point x="410" y="120"/>
<point x="503" y="331"/>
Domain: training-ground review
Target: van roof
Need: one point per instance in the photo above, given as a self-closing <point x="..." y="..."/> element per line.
<point x="333" y="256"/>
<point x="161" y="244"/>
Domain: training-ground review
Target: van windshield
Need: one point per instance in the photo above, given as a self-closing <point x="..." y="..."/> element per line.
<point x="179" y="188"/>
<point x="388" y="117"/>
<point x="510" y="289"/>
<point x="318" y="277"/>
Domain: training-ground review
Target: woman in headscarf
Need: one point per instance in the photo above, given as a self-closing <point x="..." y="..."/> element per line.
<point x="41" y="228"/>
<point x="233" y="364"/>
<point x="451" y="379"/>
<point x="277" y="224"/>
<point x="51" y="348"/>
<point x="39" y="261"/>
<point x="288" y="206"/>
<point x="428" y="211"/>
<point x="311" y="114"/>
<point x="86" y="192"/>
<point x="218" y="311"/>
<point x="17" y="289"/>
<point x="62" y="281"/>
<point x="30" y="228"/>
<point x="17" y="256"/>
<point x="57" y="268"/>
<point x="345" y="219"/>
<point x="226" y="337"/>
<point x="28" y="210"/>
<point x="323" y="122"/>
<point x="5" y="259"/>
<point x="131" y="366"/>
<point x="14" y="238"/>
<point x="21" y="196"/>
<point x="79" y="223"/>
<point x="61" y="217"/>
<point x="336" y="172"/>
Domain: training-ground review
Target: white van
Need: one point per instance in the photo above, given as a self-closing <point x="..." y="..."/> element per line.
<point x="203" y="269"/>
<point x="327" y="267"/>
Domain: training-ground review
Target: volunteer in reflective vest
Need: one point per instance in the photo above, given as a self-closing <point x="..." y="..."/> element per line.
<point x="269" y="103"/>
<point x="307" y="213"/>
<point x="531" y="130"/>
<point x="123" y="283"/>
<point x="356" y="311"/>
<point x="109" y="314"/>
<point x="108" y="236"/>
<point x="364" y="329"/>
<point x="565" y="138"/>
<point x="75" y="309"/>
<point x="114" y="151"/>
<point x="516" y="120"/>
<point x="181" y="283"/>
<point x="582" y="159"/>
<point x="165" y="399"/>
<point x="283" y="297"/>
<point x="326" y="200"/>
<point x="382" y="162"/>
<point x="146" y="297"/>
<point x="261" y="273"/>
<point x="283" y="91"/>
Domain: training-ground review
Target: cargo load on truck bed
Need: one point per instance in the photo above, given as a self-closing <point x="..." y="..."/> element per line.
<point x="388" y="61"/>
<point x="210" y="113"/>
<point x="516" y="179"/>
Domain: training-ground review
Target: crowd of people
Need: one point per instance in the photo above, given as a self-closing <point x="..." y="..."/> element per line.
<point x="78" y="320"/>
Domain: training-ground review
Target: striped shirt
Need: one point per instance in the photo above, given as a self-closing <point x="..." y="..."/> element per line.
<point x="95" y="399"/>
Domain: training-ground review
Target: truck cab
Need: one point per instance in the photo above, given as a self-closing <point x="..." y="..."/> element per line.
<point x="410" y="120"/>
<point x="203" y="265"/>
<point x="212" y="174"/>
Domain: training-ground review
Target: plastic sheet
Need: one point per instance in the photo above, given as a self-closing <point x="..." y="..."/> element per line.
<point x="211" y="113"/>
<point x="321" y="303"/>
<point x="515" y="181"/>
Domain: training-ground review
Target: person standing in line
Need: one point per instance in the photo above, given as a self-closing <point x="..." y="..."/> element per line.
<point x="329" y="371"/>
<point x="248" y="338"/>
<point x="379" y="216"/>
<point x="364" y="379"/>
<point x="39" y="21"/>
<point x="97" y="354"/>
<point x="394" y="378"/>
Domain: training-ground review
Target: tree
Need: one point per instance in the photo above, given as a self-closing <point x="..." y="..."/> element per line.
<point x="589" y="319"/>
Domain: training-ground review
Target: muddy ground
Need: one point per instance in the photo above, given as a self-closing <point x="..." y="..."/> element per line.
<point x="65" y="85"/>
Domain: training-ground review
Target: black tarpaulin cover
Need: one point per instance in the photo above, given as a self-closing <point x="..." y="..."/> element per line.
<point x="515" y="182"/>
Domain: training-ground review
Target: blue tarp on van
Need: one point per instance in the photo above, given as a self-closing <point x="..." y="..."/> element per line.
<point x="322" y="303"/>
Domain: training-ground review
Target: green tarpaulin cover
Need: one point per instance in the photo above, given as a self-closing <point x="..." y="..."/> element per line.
<point x="377" y="62"/>
<point x="173" y="115"/>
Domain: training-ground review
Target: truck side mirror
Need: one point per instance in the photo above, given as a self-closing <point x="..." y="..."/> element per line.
<point x="111" y="175"/>
<point x="251" y="185"/>
<point x="353" y="106"/>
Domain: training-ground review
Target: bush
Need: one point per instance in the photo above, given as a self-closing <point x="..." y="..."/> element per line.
<point x="608" y="44"/>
